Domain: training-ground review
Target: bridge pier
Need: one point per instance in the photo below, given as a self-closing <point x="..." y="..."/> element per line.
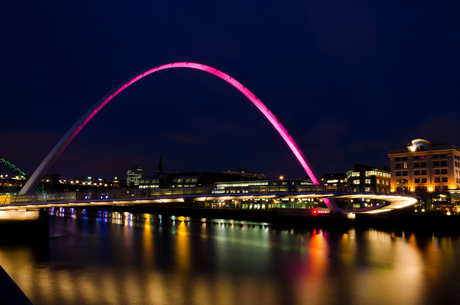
<point x="24" y="226"/>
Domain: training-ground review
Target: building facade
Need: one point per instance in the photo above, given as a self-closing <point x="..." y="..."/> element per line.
<point x="133" y="176"/>
<point x="369" y="179"/>
<point x="425" y="167"/>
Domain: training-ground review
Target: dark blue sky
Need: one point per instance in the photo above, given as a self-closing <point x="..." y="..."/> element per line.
<point x="349" y="79"/>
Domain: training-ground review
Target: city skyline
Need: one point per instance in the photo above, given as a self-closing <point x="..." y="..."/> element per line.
<point x="354" y="79"/>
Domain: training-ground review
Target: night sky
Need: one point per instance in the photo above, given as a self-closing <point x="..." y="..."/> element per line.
<point x="349" y="79"/>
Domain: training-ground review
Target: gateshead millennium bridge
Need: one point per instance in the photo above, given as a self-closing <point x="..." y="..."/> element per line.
<point x="26" y="200"/>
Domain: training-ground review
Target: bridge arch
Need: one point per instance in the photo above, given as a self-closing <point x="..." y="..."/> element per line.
<point x="75" y="129"/>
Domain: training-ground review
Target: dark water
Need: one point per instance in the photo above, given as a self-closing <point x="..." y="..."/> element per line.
<point x="178" y="260"/>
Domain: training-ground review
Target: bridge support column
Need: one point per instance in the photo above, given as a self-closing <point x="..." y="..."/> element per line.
<point x="22" y="225"/>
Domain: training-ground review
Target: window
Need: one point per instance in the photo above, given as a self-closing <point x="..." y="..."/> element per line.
<point x="405" y="165"/>
<point x="444" y="179"/>
<point x="435" y="156"/>
<point x="436" y="163"/>
<point x="422" y="157"/>
<point x="378" y="181"/>
<point x="398" y="181"/>
<point x="416" y="157"/>
<point x="423" y="172"/>
<point x="397" y="159"/>
<point x="368" y="189"/>
<point x="194" y="179"/>
<point x="398" y="165"/>
<point x="444" y="171"/>
<point x="370" y="173"/>
<point x="398" y="174"/>
<point x="436" y="172"/>
<point x="355" y="181"/>
<point x="405" y="181"/>
<point x="416" y="173"/>
<point x="422" y="164"/>
<point x="443" y="163"/>
<point x="355" y="174"/>
<point x="424" y="180"/>
<point x="404" y="159"/>
<point x="417" y="180"/>
<point x="187" y="180"/>
<point x="443" y="156"/>
<point x="368" y="181"/>
<point x="404" y="173"/>
<point x="416" y="164"/>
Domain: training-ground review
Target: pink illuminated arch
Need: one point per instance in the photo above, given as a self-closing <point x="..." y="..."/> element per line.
<point x="67" y="138"/>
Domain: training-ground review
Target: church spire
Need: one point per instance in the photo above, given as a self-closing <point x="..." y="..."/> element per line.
<point x="160" y="166"/>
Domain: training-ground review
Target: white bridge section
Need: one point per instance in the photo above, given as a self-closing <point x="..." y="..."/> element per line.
<point x="31" y="203"/>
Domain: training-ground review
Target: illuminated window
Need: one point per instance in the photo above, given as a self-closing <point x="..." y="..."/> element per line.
<point x="355" y="174"/>
<point x="368" y="181"/>
<point x="405" y="165"/>
<point x="187" y="180"/>
<point x="356" y="182"/>
<point x="368" y="189"/>
<point x="180" y="180"/>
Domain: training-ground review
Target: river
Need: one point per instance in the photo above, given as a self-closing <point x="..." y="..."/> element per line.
<point x="114" y="258"/>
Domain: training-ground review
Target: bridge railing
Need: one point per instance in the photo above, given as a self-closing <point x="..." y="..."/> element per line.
<point x="164" y="192"/>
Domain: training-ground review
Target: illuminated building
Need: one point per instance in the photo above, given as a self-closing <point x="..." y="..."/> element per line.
<point x="422" y="166"/>
<point x="133" y="176"/>
<point x="335" y="182"/>
<point x="368" y="179"/>
<point x="428" y="169"/>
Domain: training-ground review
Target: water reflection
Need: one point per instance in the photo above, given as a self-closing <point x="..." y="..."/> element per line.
<point x="123" y="258"/>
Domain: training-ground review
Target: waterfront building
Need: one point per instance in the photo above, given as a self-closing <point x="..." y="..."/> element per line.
<point x="429" y="170"/>
<point x="133" y="176"/>
<point x="422" y="166"/>
<point x="335" y="182"/>
<point x="245" y="173"/>
<point x="369" y="179"/>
